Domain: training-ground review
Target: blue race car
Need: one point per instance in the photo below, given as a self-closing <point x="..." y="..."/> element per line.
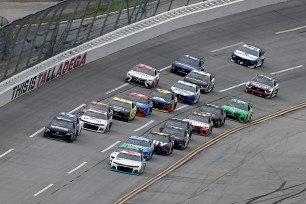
<point x="70" y="118"/>
<point x="144" y="143"/>
<point x="186" y="92"/>
<point x="144" y="103"/>
<point x="186" y="64"/>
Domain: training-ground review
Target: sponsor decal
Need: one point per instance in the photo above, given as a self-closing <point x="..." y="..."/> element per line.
<point x="48" y="75"/>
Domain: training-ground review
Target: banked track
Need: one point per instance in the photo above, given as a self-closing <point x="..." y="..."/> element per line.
<point x="35" y="162"/>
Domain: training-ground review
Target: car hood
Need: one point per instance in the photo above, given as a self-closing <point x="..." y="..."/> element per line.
<point x="54" y="127"/>
<point x="234" y="110"/>
<point x="141" y="105"/>
<point x="120" y="109"/>
<point x="183" y="65"/>
<point x="182" y="91"/>
<point x="197" y="123"/>
<point x="126" y="162"/>
<point x="159" y="99"/>
<point x="141" y="75"/>
<point x="259" y="85"/>
<point x="93" y="120"/>
<point x="245" y="55"/>
<point x="195" y="81"/>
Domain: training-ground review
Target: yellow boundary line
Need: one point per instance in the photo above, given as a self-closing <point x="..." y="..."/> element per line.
<point x="207" y="144"/>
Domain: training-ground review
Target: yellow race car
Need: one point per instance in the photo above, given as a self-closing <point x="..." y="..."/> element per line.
<point x="123" y="109"/>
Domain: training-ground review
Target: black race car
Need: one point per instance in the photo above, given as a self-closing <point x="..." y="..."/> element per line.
<point x="62" y="129"/>
<point x="180" y="136"/>
<point x="163" y="143"/>
<point x="175" y="122"/>
<point x="204" y="80"/>
<point x="263" y="86"/>
<point x="217" y="113"/>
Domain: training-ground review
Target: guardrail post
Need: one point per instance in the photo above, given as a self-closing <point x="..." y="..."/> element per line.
<point x="94" y="19"/>
<point x="106" y="16"/>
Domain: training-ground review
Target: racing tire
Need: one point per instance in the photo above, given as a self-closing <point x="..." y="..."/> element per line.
<point x="276" y="93"/>
<point x="70" y="139"/>
<point x="212" y="88"/>
<point x="171" y="150"/>
<point x="269" y="96"/>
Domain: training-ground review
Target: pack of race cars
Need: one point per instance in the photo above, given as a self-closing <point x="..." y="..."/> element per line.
<point x="131" y="157"/>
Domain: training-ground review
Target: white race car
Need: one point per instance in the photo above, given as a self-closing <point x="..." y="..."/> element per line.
<point x="124" y="146"/>
<point x="249" y="56"/>
<point x="143" y="75"/>
<point x="186" y="92"/>
<point x="96" y="120"/>
<point x="129" y="162"/>
<point x="201" y="123"/>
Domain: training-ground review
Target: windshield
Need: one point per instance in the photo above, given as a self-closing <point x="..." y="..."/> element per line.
<point x="62" y="124"/>
<point x="134" y="141"/>
<point x="184" y="87"/>
<point x="249" y="51"/>
<point x="157" y="137"/>
<point x="263" y="80"/>
<point x="167" y="97"/>
<point x="198" y="118"/>
<point x="137" y="99"/>
<point x="95" y="115"/>
<point x="129" y="156"/>
<point x="120" y="104"/>
<point x="176" y="123"/>
<point x="242" y="106"/>
<point x="189" y="60"/>
<point x="198" y="76"/>
<point x="150" y="72"/>
<point x="174" y="131"/>
<point x="212" y="110"/>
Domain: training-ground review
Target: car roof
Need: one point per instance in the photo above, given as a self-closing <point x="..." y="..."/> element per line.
<point x="122" y="100"/>
<point x="143" y="66"/>
<point x="160" y="133"/>
<point x="186" y="83"/>
<point x="202" y="114"/>
<point x="98" y="103"/>
<point x="238" y="101"/>
<point x="177" y="119"/>
<point x="138" y="95"/>
<point x="131" y="147"/>
<point x="201" y="72"/>
<point x="140" y="138"/>
<point x="97" y="111"/>
<point x="251" y="47"/>
<point x="66" y="116"/>
<point x="191" y="57"/>
<point x="130" y="152"/>
<point x="164" y="91"/>
<point x="266" y="77"/>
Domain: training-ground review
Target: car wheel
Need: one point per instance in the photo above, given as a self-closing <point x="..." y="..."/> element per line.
<point x="70" y="139"/>
<point x="212" y="88"/>
<point x="110" y="126"/>
<point x="276" y="93"/>
<point x="269" y="96"/>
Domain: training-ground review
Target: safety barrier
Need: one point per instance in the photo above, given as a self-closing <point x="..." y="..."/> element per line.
<point x="122" y="38"/>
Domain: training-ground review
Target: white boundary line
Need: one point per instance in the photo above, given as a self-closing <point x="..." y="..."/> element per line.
<point x="115" y="89"/>
<point x="232" y="87"/>
<point x="77" y="108"/>
<point x="42" y="190"/>
<point x="145" y="125"/>
<point x="108" y="148"/>
<point x="285" y="70"/>
<point x="5" y="153"/>
<point x="168" y="67"/>
<point x="290" y="30"/>
<point x="37" y="132"/>
<point x="229" y="46"/>
<point x="76" y="168"/>
<point x="181" y="107"/>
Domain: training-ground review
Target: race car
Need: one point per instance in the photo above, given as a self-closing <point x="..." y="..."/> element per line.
<point x="262" y="85"/>
<point x="163" y="143"/>
<point x="186" y="64"/>
<point x="238" y="110"/>
<point x="129" y="162"/>
<point x="144" y="143"/>
<point x="143" y="75"/>
<point x="186" y="92"/>
<point x="218" y="115"/>
<point x="204" y="80"/>
<point x="249" y="55"/>
<point x="124" y="146"/>
<point x="96" y="120"/>
<point x="163" y="100"/>
<point x="201" y="122"/>
<point x="123" y="109"/>
<point x="180" y="136"/>
<point x="176" y="122"/>
<point x="62" y="129"/>
<point x="71" y="118"/>
<point x="143" y="103"/>
<point x="98" y="106"/>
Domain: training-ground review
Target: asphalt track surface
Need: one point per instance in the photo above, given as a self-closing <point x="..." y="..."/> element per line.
<point x="265" y="160"/>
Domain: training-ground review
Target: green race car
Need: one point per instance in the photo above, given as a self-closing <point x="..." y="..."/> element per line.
<point x="238" y="110"/>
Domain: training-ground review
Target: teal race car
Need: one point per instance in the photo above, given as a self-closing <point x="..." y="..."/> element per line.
<point x="238" y="110"/>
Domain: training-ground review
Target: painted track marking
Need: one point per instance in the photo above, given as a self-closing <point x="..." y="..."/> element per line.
<point x="145" y="125"/>
<point x="226" y="47"/>
<point x="76" y="168"/>
<point x="290" y="30"/>
<point x="232" y="87"/>
<point x="77" y="108"/>
<point x="5" y="153"/>
<point x="289" y="69"/>
<point x="165" y="68"/>
<point x="181" y="107"/>
<point x="42" y="190"/>
<point x="108" y="148"/>
<point x="117" y="88"/>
